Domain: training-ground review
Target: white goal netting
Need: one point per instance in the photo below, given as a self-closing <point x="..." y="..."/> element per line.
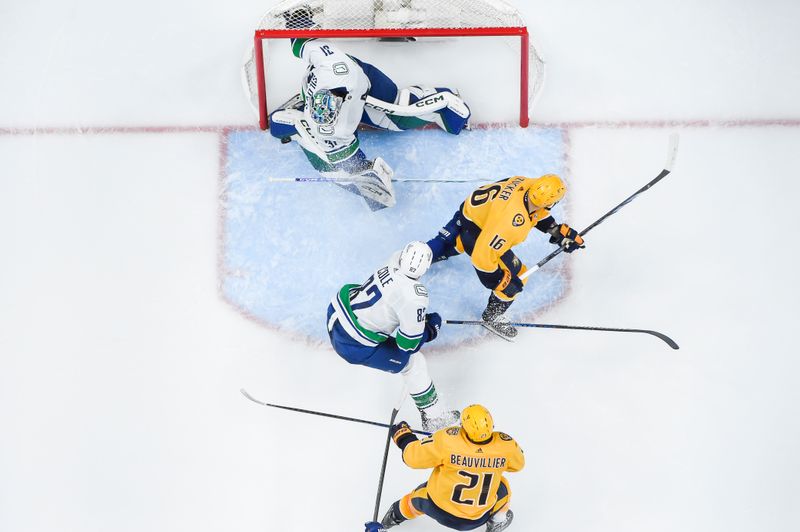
<point x="399" y="14"/>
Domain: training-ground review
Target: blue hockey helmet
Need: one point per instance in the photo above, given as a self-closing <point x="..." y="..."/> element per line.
<point x="325" y="106"/>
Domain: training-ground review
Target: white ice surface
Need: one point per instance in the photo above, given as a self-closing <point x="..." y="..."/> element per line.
<point x="120" y="363"/>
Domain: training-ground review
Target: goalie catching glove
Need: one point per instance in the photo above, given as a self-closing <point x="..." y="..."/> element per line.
<point x="566" y="237"/>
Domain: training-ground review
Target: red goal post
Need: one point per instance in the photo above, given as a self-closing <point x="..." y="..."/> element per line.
<point x="397" y="19"/>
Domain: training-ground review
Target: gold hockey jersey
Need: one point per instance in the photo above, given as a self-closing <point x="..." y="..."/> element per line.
<point x="466" y="475"/>
<point x="499" y="210"/>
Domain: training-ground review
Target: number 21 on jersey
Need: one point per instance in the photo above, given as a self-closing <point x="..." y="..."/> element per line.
<point x="458" y="496"/>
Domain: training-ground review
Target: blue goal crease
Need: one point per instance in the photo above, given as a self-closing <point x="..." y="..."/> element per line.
<point x="288" y="247"/>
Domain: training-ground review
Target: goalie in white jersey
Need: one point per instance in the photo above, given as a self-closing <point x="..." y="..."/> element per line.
<point x="341" y="92"/>
<point x="363" y="318"/>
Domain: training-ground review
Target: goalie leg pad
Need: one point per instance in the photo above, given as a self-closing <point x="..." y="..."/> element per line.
<point x="452" y="118"/>
<point x="451" y="121"/>
<point x="375" y="183"/>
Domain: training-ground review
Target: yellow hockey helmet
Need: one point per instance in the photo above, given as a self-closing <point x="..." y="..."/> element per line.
<point x="547" y="190"/>
<point x="477" y="423"/>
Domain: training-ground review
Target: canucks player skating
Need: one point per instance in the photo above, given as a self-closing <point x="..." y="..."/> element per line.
<point x="492" y="220"/>
<point x="362" y="320"/>
<point x="323" y="119"/>
<point x="467" y="488"/>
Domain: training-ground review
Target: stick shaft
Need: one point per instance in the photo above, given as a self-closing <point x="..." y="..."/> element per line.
<point x="320" y="179"/>
<point x="383" y="466"/>
<point x="323" y="414"/>
<point x="671" y="153"/>
<point x="395" y="411"/>
<point x="663" y="337"/>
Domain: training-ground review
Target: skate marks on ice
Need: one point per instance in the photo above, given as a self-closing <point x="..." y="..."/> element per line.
<point x="287" y="247"/>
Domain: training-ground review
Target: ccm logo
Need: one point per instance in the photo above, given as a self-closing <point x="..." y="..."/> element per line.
<point x="430" y="100"/>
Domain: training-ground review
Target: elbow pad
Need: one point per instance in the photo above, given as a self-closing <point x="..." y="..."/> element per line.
<point x="546" y="224"/>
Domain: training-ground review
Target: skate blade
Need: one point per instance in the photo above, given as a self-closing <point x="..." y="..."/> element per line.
<point x="497" y="333"/>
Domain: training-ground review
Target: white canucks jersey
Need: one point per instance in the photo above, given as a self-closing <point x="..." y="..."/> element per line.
<point x="330" y="68"/>
<point x="387" y="302"/>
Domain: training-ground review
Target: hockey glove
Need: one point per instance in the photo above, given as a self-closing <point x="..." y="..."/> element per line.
<point x="433" y="322"/>
<point x="402" y="435"/>
<point x="566" y="237"/>
<point x="510" y="286"/>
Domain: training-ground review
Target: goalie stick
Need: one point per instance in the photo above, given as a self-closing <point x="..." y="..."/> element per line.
<point x="324" y="414"/>
<point x="355" y="179"/>
<point x="661" y="336"/>
<point x="671" y="153"/>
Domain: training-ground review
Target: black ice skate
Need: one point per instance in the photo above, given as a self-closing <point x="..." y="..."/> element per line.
<point x="390" y="519"/>
<point x="493" y="526"/>
<point x="494" y="319"/>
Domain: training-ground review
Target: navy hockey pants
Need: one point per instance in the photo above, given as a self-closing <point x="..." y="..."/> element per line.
<point x="386" y="356"/>
<point x="380" y="87"/>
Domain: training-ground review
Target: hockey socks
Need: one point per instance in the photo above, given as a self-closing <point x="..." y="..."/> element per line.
<point x="419" y="384"/>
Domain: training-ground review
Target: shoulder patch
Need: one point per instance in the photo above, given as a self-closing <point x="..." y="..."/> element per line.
<point x="420" y="290"/>
<point x="453" y="431"/>
<point x="518" y="221"/>
<point x="504" y="436"/>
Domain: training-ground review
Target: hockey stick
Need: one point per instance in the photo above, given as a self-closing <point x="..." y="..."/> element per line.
<point x="395" y="411"/>
<point x="356" y="180"/>
<point x="663" y="337"/>
<point x="671" y="153"/>
<point x="324" y="414"/>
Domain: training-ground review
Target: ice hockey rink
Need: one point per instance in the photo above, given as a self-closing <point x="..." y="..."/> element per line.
<point x="124" y="338"/>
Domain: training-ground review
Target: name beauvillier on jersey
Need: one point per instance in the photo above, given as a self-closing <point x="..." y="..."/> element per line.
<point x="482" y="462"/>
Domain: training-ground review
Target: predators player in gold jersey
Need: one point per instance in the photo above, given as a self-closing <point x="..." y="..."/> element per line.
<point x="467" y="488"/>
<point x="491" y="221"/>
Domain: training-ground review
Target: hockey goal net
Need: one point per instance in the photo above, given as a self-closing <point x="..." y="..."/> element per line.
<point x="426" y="38"/>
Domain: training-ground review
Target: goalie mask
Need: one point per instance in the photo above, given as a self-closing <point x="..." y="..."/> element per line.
<point x="325" y="107"/>
<point x="415" y="259"/>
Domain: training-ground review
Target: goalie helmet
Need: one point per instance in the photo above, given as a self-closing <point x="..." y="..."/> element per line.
<point x="546" y="191"/>
<point x="477" y="423"/>
<point x="415" y="259"/>
<point x="325" y="106"/>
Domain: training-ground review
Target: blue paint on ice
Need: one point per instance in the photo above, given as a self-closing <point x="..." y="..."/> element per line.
<point x="290" y="246"/>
